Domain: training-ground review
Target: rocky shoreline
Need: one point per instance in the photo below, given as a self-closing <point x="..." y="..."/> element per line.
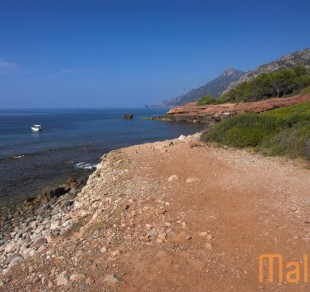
<point x="163" y="216"/>
<point x="55" y="213"/>
<point x="209" y="114"/>
<point x="25" y="229"/>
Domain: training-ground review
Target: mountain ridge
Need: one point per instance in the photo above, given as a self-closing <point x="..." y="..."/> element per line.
<point x="288" y="61"/>
<point x="214" y="88"/>
<point x="232" y="77"/>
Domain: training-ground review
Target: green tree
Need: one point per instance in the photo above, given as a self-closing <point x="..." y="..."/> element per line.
<point x="300" y="71"/>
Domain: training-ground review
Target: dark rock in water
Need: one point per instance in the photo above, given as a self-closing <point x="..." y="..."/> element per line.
<point x="44" y="197"/>
<point x="59" y="192"/>
<point x="128" y="116"/>
<point x="28" y="203"/>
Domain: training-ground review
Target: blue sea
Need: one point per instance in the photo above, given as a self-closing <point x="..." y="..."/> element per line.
<point x="70" y="145"/>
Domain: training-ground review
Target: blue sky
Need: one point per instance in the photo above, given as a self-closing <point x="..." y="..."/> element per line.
<point x="112" y="53"/>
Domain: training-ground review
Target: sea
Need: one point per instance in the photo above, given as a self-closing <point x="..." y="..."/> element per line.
<point x="70" y="145"/>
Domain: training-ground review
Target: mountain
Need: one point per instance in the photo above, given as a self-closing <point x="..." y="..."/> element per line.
<point x="232" y="77"/>
<point x="214" y="88"/>
<point x="287" y="61"/>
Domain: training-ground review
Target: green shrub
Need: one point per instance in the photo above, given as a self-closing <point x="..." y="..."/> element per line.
<point x="293" y="142"/>
<point x="306" y="90"/>
<point x="284" y="131"/>
<point x="205" y="100"/>
<point x="241" y="137"/>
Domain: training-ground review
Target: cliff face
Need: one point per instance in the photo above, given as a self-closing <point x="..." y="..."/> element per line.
<point x="214" y="113"/>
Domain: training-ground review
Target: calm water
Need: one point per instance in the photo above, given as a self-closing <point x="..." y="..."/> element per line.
<point x="71" y="142"/>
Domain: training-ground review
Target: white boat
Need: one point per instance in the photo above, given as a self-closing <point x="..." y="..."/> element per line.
<point x="36" y="128"/>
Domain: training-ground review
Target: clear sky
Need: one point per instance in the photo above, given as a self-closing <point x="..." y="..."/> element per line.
<point x="111" y="53"/>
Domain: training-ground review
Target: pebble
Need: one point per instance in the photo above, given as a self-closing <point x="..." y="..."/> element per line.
<point x="173" y="177"/>
<point x="39" y="243"/>
<point x="103" y="249"/>
<point x="116" y="253"/>
<point x="62" y="279"/>
<point x="27" y="229"/>
<point x="89" y="281"/>
<point x="162" y="236"/>
<point x="111" y="279"/>
<point x="77" y="277"/>
<point x="148" y="226"/>
<point x="208" y="245"/>
<point x="152" y="233"/>
<point x="193" y="180"/>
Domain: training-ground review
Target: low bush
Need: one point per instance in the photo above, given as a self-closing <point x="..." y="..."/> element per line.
<point x="284" y="131"/>
<point x="205" y="100"/>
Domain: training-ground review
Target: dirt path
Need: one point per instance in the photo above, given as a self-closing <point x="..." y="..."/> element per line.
<point x="180" y="216"/>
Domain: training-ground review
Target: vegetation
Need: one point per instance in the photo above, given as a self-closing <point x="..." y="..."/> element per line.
<point x="276" y="84"/>
<point x="284" y="131"/>
<point x="205" y="100"/>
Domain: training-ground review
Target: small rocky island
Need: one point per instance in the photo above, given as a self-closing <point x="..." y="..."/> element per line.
<point x="128" y="116"/>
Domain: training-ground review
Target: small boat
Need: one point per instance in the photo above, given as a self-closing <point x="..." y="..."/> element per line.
<point x="36" y="128"/>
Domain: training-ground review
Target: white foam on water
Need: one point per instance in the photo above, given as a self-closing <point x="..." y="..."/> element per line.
<point x="18" y="157"/>
<point x="84" y="165"/>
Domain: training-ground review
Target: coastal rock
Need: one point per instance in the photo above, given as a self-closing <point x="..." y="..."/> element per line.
<point x="15" y="260"/>
<point x="43" y="197"/>
<point x="11" y="247"/>
<point x="54" y="225"/>
<point x="128" y="116"/>
<point x="28" y="203"/>
<point x="209" y="114"/>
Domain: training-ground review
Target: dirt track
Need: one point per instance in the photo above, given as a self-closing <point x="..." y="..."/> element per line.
<point x="181" y="217"/>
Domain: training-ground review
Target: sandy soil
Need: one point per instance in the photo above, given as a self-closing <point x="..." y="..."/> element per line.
<point x="177" y="216"/>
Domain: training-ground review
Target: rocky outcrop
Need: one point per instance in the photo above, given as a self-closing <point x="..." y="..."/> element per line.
<point x="214" y="113"/>
<point x="128" y="116"/>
